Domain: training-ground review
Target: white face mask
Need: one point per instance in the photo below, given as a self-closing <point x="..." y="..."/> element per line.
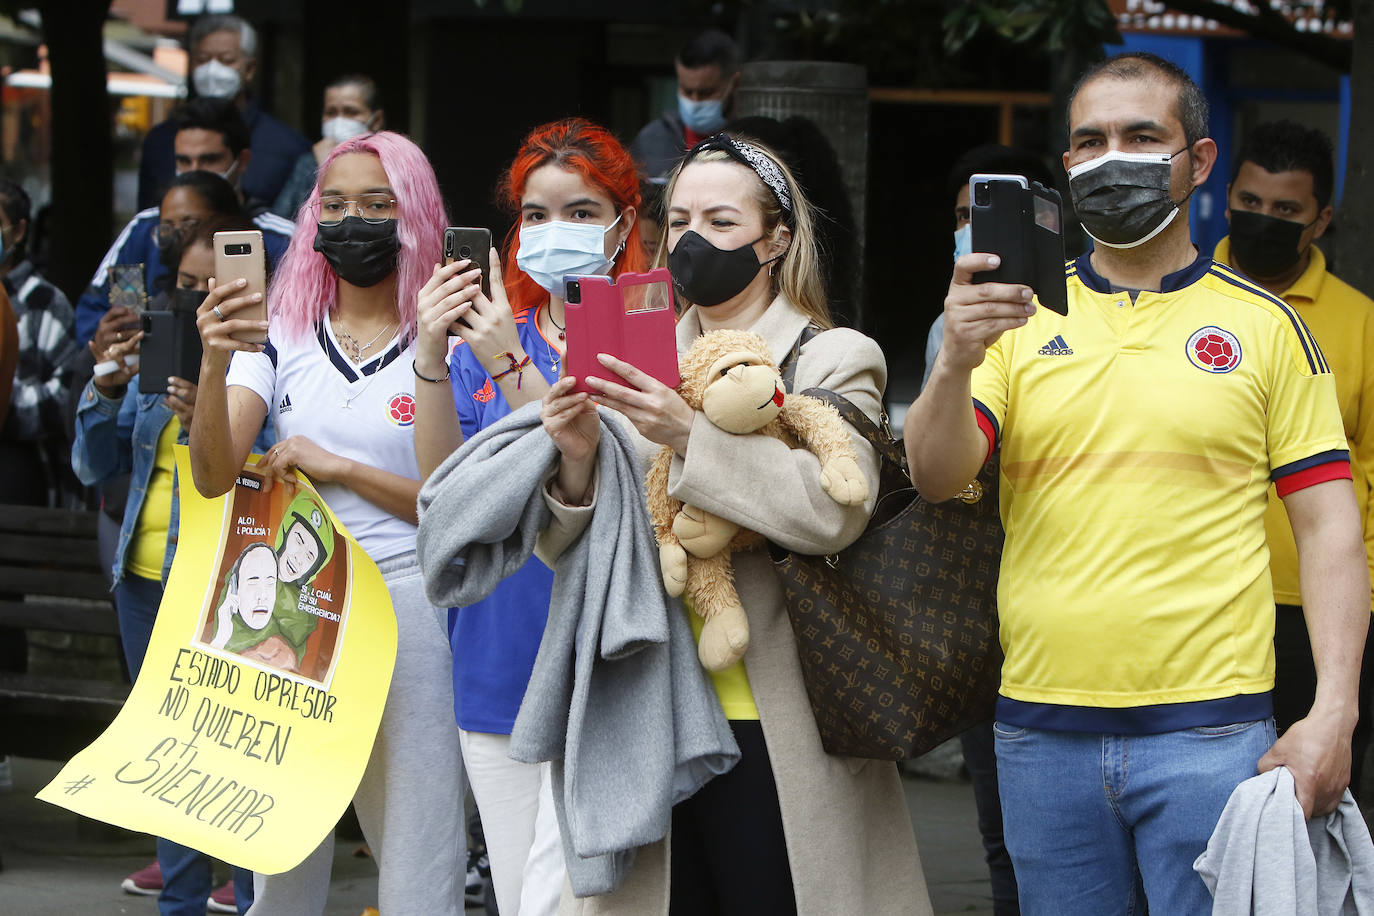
<point x="341" y="129"/>
<point x="215" y="80"/>
<point x="557" y="249"/>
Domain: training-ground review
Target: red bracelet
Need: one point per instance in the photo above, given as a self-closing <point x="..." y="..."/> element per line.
<point x="516" y="366"/>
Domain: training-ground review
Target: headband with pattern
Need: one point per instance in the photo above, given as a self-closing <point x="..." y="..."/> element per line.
<point x="756" y="159"/>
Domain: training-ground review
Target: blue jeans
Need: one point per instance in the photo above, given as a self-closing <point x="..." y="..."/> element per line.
<point x="187" y="874"/>
<point x="1100" y="823"/>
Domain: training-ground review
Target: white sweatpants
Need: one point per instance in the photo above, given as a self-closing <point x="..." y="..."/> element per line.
<point x="516" y="803"/>
<point x="410" y="800"/>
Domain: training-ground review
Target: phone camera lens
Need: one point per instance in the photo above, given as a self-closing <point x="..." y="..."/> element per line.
<point x="574" y="292"/>
<point x="465" y="251"/>
<point x="980" y="195"/>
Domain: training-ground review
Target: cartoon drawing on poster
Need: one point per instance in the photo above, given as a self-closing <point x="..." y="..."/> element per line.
<point x="274" y="601"/>
<point x="253" y="718"/>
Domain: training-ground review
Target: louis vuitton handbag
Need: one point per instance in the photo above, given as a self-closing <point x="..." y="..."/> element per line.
<point x="897" y="634"/>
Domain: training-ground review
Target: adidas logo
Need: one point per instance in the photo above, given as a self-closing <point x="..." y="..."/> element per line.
<point x="285" y="405"/>
<point x="1056" y="347"/>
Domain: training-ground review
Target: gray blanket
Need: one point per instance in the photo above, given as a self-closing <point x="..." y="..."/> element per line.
<point x="617" y="700"/>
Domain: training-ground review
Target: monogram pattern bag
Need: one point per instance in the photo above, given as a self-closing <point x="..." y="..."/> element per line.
<point x="897" y="634"/>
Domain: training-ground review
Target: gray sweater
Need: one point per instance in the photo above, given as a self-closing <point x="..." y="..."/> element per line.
<point x="1264" y="858"/>
<point x="617" y="700"/>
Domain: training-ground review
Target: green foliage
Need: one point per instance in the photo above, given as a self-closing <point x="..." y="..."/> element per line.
<point x="1048" y="25"/>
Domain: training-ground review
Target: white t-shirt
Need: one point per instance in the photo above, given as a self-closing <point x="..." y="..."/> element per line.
<point x="364" y="412"/>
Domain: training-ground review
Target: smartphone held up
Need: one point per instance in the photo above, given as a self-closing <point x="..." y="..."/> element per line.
<point x="1022" y="223"/>
<point x="239" y="255"/>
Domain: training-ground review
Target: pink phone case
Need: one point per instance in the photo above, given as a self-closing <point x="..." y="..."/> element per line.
<point x="631" y="318"/>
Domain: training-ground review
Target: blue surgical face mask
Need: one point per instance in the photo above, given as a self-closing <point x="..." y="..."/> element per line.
<point x="557" y="249"/>
<point x="963" y="240"/>
<point x="702" y="118"/>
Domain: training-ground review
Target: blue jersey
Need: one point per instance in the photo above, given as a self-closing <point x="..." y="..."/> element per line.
<point x="496" y="639"/>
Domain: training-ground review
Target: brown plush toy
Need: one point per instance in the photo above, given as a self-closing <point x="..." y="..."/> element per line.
<point x="730" y="376"/>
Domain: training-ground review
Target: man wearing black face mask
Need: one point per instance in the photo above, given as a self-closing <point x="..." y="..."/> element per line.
<point x="1279" y="204"/>
<point x="1136" y="457"/>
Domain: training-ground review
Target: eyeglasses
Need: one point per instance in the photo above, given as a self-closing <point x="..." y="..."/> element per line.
<point x="372" y="208"/>
<point x="168" y="232"/>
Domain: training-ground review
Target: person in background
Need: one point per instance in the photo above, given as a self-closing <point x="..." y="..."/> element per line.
<point x="13" y="643"/>
<point x="222" y="54"/>
<point x="338" y="367"/>
<point x="1135" y="691"/>
<point x="210" y="136"/>
<point x="34" y="432"/>
<point x="977" y="744"/>
<point x="650" y="219"/>
<point x="707" y="75"/>
<point x="1278" y="204"/>
<point x="577" y="195"/>
<point x="120" y="430"/>
<point x="351" y="109"/>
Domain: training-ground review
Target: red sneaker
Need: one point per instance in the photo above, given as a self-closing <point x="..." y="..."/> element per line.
<point x="146" y="881"/>
<point x="222" y="900"/>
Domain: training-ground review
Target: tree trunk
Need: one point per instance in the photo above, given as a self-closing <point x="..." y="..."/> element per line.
<point x="1355" y="218"/>
<point x="82" y="146"/>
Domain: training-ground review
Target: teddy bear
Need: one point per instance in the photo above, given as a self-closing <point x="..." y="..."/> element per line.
<point x="731" y="377"/>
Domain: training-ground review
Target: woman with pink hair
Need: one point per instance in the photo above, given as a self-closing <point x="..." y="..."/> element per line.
<point x="337" y="377"/>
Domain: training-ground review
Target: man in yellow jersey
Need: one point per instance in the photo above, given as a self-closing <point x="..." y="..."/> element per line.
<point x="1135" y="597"/>
<point x="1278" y="205"/>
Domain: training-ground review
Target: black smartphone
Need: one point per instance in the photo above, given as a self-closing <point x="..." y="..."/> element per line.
<point x="171" y="344"/>
<point x="1022" y="223"/>
<point x="462" y="243"/>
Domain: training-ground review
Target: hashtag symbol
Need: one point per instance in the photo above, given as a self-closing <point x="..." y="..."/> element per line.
<point x="76" y="785"/>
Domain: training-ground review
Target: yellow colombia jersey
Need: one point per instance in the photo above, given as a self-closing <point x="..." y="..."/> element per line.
<point x="1138" y="445"/>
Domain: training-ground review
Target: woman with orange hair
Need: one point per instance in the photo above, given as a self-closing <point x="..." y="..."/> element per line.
<point x="576" y="192"/>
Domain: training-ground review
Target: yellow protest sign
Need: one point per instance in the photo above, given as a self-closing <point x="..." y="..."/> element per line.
<point x="253" y="717"/>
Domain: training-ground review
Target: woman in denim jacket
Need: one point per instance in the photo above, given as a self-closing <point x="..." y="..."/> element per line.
<point x="120" y="430"/>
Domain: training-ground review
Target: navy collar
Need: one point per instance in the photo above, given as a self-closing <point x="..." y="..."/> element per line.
<point x="1171" y="283"/>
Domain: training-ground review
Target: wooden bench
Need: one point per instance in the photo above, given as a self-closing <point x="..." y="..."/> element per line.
<point x="50" y="580"/>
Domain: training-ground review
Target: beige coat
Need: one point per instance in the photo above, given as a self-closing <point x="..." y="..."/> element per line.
<point x="849" y="838"/>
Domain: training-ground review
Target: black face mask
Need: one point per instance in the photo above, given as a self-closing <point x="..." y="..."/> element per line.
<point x="1264" y="246"/>
<point x="187" y="300"/>
<point x="361" y="253"/>
<point x="1122" y="199"/>
<point x="706" y="275"/>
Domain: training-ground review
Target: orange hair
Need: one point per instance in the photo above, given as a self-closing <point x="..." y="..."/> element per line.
<point x="577" y="145"/>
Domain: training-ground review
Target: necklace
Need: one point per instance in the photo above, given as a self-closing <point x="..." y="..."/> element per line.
<point x="347" y="340"/>
<point x="553" y="351"/>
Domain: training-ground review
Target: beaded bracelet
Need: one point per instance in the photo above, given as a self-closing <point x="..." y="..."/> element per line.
<point x="516" y="366"/>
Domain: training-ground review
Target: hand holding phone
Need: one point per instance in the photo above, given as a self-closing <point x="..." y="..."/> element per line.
<point x="462" y="243"/>
<point x="240" y="256"/>
<point x="1020" y="222"/>
<point x="631" y="318"/>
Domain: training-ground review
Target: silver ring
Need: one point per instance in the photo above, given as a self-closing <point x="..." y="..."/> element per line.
<point x="218" y="313"/>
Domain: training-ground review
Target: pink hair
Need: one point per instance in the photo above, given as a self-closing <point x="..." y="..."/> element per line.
<point x="305" y="288"/>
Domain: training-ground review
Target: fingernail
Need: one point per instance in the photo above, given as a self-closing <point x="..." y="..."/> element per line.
<point x="1030" y="308"/>
<point x="1025" y="294"/>
<point x="994" y="260"/>
<point x="257" y="296"/>
<point x="241" y="282"/>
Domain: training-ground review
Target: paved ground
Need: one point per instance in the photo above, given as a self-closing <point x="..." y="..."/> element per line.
<point x="57" y="864"/>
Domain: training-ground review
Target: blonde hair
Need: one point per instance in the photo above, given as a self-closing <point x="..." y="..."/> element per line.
<point x="798" y="275"/>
